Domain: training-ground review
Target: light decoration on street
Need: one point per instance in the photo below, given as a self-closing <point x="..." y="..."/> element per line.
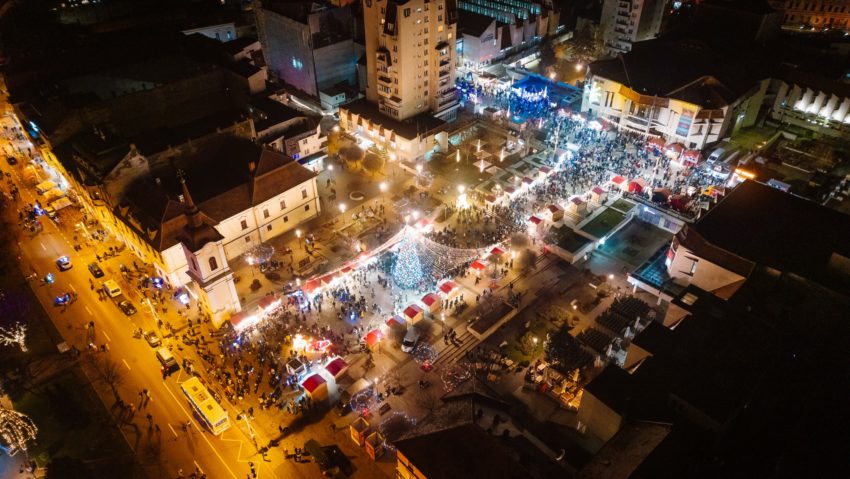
<point x="454" y="375"/>
<point x="16" y="430"/>
<point x="424" y="354"/>
<point x="259" y="254"/>
<point x="299" y="343"/>
<point x="407" y="271"/>
<point x="15" y="335"/>
<point x="360" y="402"/>
<point x="394" y="427"/>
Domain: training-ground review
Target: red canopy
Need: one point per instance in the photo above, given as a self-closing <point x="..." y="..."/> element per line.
<point x="336" y="366"/>
<point x="676" y="147"/>
<point x="346" y="270"/>
<point x="268" y="301"/>
<point x="242" y="320"/>
<point x="598" y="190"/>
<point x="412" y="311"/>
<point x="496" y="251"/>
<point x="490" y="198"/>
<point x="576" y="200"/>
<point x="326" y="279"/>
<point x="312" y="383"/>
<point x="545" y="170"/>
<point x="395" y="321"/>
<point x="448" y="287"/>
<point x="477" y="265"/>
<point x="372" y="337"/>
<point x="618" y="180"/>
<point x="429" y="299"/>
<point x="310" y="286"/>
<point x="510" y="190"/>
<point x="527" y="180"/>
<point x="535" y="220"/>
<point x="655" y="142"/>
<point x="554" y="208"/>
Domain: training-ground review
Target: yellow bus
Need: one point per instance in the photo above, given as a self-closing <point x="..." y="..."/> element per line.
<point x="205" y="405"/>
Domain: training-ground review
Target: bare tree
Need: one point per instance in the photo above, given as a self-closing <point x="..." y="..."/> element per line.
<point x="111" y="374"/>
<point x="427" y="401"/>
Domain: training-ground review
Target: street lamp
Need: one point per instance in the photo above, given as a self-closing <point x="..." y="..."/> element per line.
<point x="443" y="320"/>
<point x="298" y="235"/>
<point x="342" y="210"/>
<point x="383" y="186"/>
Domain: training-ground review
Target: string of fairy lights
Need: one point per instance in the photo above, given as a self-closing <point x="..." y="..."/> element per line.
<point x="418" y="257"/>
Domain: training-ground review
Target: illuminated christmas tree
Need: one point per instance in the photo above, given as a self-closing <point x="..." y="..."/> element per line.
<point x="16" y="430"/>
<point x="407" y="271"/>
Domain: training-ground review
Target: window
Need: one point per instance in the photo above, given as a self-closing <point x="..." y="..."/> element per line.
<point x="439" y="28"/>
<point x="213" y="263"/>
<point x="297" y="64"/>
<point x="247" y="239"/>
<point x="282" y="205"/>
<point x="694" y="267"/>
<point x="244" y="224"/>
<point x="306" y="207"/>
<point x="304" y="193"/>
<point x="269" y="228"/>
<point x="406" y="12"/>
<point x="286" y="219"/>
<point x="265" y="213"/>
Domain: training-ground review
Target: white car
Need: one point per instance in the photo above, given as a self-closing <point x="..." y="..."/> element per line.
<point x="64" y="263"/>
<point x="411" y="339"/>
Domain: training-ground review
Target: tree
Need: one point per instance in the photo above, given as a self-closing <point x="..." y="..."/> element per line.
<point x="15" y="335"/>
<point x="407" y="271"/>
<point x="561" y="348"/>
<point x="527" y="259"/>
<point x="519" y="240"/>
<point x="111" y="374"/>
<point x="427" y="401"/>
<point x="16" y="430"/>
<point x="373" y="164"/>
<point x="353" y="156"/>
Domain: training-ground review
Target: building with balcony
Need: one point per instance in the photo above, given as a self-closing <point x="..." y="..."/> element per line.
<point x="289" y="131"/>
<point x="702" y="97"/>
<point x="625" y="22"/>
<point x="811" y="102"/>
<point x="487" y="34"/>
<point x="410" y="57"/>
<point x="820" y="14"/>
<point x="307" y="44"/>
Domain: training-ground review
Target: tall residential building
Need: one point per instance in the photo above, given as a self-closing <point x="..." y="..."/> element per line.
<point x="625" y="22"/>
<point x="307" y="44"/>
<point x="410" y="57"/>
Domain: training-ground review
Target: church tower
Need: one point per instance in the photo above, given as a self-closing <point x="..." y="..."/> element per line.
<point x="208" y="267"/>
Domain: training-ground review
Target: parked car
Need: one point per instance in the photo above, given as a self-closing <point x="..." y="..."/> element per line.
<point x="64" y="263"/>
<point x="127" y="308"/>
<point x="95" y="270"/>
<point x="411" y="339"/>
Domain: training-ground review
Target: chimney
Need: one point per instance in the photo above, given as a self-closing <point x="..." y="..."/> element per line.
<point x="251" y="167"/>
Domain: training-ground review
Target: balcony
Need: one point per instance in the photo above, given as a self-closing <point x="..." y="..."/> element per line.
<point x="444" y="72"/>
<point x="385" y="79"/>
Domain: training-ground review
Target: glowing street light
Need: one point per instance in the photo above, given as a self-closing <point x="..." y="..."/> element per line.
<point x="342" y="211"/>
<point x="419" y="169"/>
<point x="298" y="235"/>
<point x="457" y="156"/>
<point x="579" y="66"/>
<point x="382" y="186"/>
<point x="552" y="76"/>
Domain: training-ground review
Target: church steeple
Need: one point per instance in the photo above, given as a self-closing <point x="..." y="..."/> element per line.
<point x="193" y="212"/>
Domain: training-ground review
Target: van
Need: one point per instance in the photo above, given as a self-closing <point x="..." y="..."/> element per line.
<point x="716" y="155"/>
<point x="112" y="288"/>
<point x="169" y="364"/>
<point x="411" y="338"/>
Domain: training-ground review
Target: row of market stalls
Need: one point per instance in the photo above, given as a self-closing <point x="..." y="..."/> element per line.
<point x="675" y="151"/>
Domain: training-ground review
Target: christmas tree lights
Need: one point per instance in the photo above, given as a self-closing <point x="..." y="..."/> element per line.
<point x="16" y="430"/>
<point x="407" y="271"/>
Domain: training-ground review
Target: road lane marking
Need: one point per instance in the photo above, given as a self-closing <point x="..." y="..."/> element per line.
<point x="107" y="338"/>
<point x="125" y="363"/>
<point x="203" y="436"/>
<point x="198" y="466"/>
<point x="73" y="288"/>
<point x="89" y="311"/>
<point x="172" y="430"/>
<point x="42" y="245"/>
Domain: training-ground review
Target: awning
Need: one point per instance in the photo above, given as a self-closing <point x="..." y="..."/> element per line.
<point x="448" y="287"/>
<point x="313" y="383"/>
<point x="336" y="367"/>
<point x="372" y="337"/>
<point x="554" y="208"/>
<point x="490" y="198"/>
<point x="576" y="201"/>
<point x="243" y="320"/>
<point x="496" y="251"/>
<point x="430" y="299"/>
<point x="270" y="301"/>
<point x="676" y="147"/>
<point x="477" y="265"/>
<point x="656" y="143"/>
<point x="527" y="180"/>
<point x="535" y="220"/>
<point x="597" y="190"/>
<point x="310" y="286"/>
<point x="60" y="203"/>
<point x="618" y="180"/>
<point x="412" y="311"/>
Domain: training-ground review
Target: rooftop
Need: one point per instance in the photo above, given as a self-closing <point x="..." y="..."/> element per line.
<point x="696" y="73"/>
<point x="761" y="224"/>
<point x="409" y="128"/>
<point x="472" y="23"/>
<point x="460" y="453"/>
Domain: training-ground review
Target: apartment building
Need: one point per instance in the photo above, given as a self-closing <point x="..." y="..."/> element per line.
<point x="410" y="57"/>
<point x="814" y="13"/>
<point x="625" y="22"/>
